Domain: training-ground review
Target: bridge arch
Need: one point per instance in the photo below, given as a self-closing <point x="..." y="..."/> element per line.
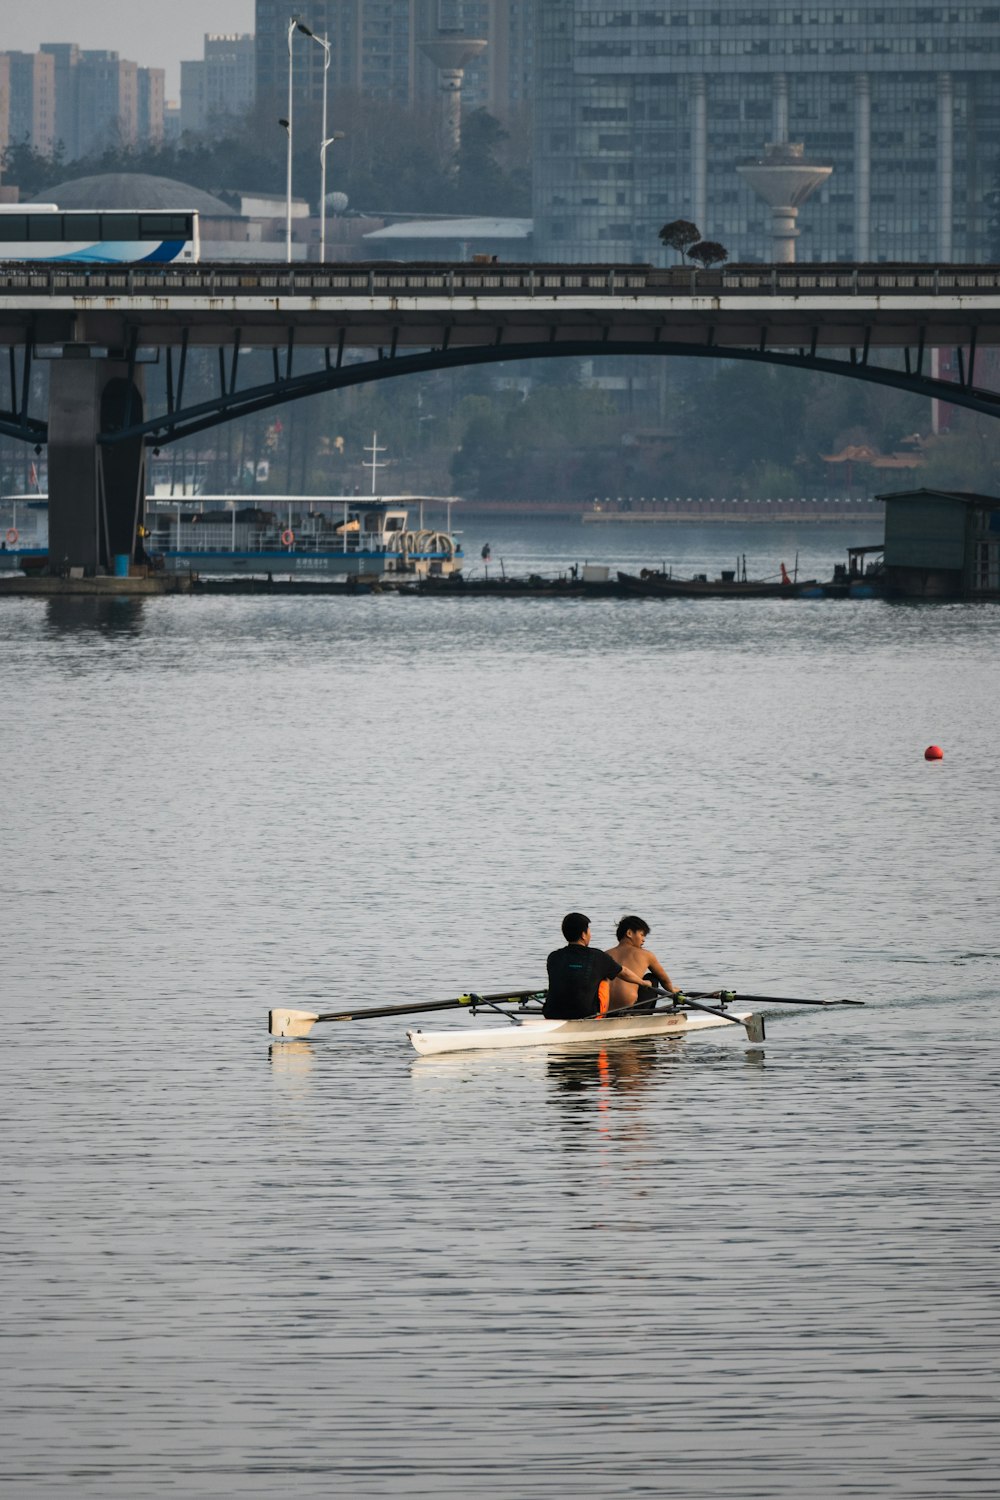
<point x="179" y="423"/>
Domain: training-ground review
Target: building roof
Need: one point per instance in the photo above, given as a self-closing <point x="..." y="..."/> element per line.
<point x="966" y="497"/>
<point x="454" y="229"/>
<point x="130" y="191"/>
<point x="865" y="454"/>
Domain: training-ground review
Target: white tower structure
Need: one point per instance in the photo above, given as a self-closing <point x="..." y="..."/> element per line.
<point x="784" y="179"/>
<point x="451" y="52"/>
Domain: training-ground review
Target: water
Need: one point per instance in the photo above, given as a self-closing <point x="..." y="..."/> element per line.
<point x="327" y="1266"/>
<point x="685" y="549"/>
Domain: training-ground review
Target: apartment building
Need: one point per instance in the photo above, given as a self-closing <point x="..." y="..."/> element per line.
<point x="84" y="100"/>
<point x="219" y="84"/>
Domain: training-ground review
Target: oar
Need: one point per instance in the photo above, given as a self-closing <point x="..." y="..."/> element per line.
<point x="754" y="1024"/>
<point x="730" y="995"/>
<point x="301" y="1022"/>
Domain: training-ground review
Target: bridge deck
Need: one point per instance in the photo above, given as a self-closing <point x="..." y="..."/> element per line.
<point x="427" y="306"/>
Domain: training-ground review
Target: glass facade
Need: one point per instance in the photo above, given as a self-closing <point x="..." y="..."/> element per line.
<point x="644" y="111"/>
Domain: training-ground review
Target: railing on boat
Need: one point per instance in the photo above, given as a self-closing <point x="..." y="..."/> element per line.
<point x="201" y="536"/>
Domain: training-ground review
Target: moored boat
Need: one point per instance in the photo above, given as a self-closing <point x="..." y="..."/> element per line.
<point x="350" y="536"/>
<point x="361" y="536"/>
<point x="658" y="585"/>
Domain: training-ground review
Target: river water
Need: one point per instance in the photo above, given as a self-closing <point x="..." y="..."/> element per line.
<point x="682" y="1268"/>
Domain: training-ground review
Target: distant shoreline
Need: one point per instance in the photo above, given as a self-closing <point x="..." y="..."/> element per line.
<point x="813" y="515"/>
<point x="725" y="512"/>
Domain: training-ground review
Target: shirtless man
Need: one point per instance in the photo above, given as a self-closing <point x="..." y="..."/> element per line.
<point x="636" y="960"/>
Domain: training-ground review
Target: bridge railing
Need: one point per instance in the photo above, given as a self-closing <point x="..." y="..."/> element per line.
<point x="386" y="279"/>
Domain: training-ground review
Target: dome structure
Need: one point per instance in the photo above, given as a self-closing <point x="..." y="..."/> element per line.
<point x="129" y="191"/>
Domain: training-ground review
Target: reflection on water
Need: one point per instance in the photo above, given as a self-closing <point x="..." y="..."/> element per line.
<point x="291" y="1060"/>
<point x="73" y="614"/>
<point x="622" y="1066"/>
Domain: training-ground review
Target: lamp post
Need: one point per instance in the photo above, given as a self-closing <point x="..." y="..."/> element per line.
<point x="338" y="135"/>
<point x="292" y="24"/>
<point x="325" y="140"/>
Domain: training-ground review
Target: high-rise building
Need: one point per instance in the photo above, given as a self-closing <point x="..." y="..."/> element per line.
<point x="220" y="83"/>
<point x="375" y="48"/>
<point x="151" y="83"/>
<point x="84" y="101"/>
<point x="644" y="112"/>
<point x="27" y="100"/>
<point x="107" y="102"/>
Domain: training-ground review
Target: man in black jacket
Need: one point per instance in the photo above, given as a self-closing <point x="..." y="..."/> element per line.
<point x="579" y="976"/>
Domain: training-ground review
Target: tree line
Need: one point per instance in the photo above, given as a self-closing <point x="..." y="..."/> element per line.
<point x="390" y="160"/>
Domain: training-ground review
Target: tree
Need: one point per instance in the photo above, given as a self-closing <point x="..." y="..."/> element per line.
<point x="483" y="186"/>
<point x="708" y="253"/>
<point x="30" y="170"/>
<point x="680" y="235"/>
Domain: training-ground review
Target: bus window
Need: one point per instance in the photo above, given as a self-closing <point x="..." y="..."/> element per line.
<point x="166" y="226"/>
<point x="82" y="227"/>
<point x="44" y="227"/>
<point x="13" y="228"/>
<point x="119" y="226"/>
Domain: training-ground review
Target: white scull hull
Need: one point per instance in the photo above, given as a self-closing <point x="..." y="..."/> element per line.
<point x="536" y="1031"/>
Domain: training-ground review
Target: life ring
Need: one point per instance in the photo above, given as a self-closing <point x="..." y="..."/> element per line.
<point x="287" y="537"/>
<point x="12" y="535"/>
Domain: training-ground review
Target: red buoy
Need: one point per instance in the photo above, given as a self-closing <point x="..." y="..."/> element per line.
<point x="933" y="752"/>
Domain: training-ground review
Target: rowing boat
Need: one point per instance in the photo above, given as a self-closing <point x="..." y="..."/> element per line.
<point x="536" y="1031"/>
<point x="529" y="1029"/>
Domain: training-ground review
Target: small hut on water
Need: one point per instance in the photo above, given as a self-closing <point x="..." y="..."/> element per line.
<point x="942" y="544"/>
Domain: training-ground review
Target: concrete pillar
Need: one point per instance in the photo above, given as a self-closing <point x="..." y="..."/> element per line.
<point x="862" y="166"/>
<point x="699" y="152"/>
<point x="945" y="165"/>
<point x="96" y="493"/>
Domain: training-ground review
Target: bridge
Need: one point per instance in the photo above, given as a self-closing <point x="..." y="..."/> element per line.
<point x="329" y="327"/>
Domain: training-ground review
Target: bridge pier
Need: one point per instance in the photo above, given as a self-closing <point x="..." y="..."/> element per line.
<point x="96" y="491"/>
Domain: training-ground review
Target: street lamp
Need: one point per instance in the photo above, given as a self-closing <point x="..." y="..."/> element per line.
<point x="293" y="24"/>
<point x="338" y="135"/>
<point x="325" y="140"/>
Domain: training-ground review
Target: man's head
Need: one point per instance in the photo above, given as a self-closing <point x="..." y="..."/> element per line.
<point x="634" y="928"/>
<point x="576" y="927"/>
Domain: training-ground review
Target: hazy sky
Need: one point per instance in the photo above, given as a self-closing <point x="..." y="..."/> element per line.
<point x="154" y="33"/>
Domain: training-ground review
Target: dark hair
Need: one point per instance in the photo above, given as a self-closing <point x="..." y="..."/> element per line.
<point x="631" y="924"/>
<point x="574" y="925"/>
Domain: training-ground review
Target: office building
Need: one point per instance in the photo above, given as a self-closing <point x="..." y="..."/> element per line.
<point x="643" y="114"/>
<point x="220" y="84"/>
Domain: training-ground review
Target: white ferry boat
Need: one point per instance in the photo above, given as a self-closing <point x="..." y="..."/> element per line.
<point x="369" y="536"/>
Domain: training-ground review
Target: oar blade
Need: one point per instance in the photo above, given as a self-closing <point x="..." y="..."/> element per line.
<point x="291" y="1022"/>
<point x="755" y="1029"/>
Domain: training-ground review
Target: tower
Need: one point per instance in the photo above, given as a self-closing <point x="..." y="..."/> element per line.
<point x="784" y="179"/>
<point x="450" y="52"/>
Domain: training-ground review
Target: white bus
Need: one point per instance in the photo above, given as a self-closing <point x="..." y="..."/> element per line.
<point x="41" y="231"/>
